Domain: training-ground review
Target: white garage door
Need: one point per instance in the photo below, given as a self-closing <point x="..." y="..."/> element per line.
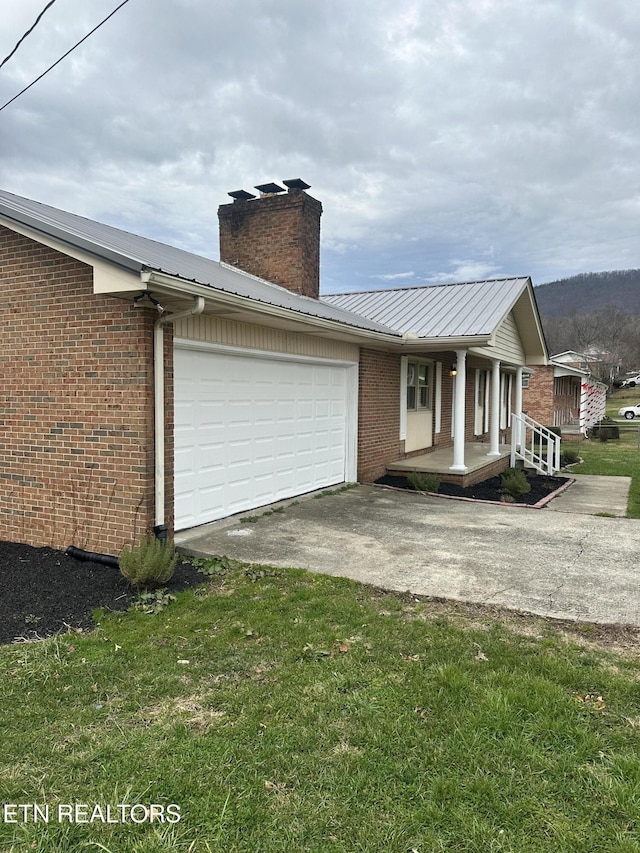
<point x="252" y="429"/>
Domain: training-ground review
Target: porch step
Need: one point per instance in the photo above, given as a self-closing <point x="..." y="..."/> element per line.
<point x="479" y="466"/>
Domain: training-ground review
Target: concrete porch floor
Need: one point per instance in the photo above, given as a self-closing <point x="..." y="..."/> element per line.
<point x="479" y="465"/>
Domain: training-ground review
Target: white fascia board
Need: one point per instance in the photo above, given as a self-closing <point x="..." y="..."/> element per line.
<point x="177" y="286"/>
<point x="565" y="370"/>
<point x="444" y="344"/>
<point x="537" y="331"/>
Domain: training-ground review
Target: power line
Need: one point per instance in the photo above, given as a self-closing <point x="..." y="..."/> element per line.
<point x="28" y="32"/>
<point x="64" y="56"/>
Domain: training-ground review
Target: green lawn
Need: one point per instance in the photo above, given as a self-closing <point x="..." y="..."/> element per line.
<point x="284" y="711"/>
<point x="620" y="457"/>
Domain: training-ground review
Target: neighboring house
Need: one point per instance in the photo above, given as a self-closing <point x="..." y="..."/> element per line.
<point x="146" y="388"/>
<point x="571" y="358"/>
<point x="561" y="394"/>
<point x="605" y="365"/>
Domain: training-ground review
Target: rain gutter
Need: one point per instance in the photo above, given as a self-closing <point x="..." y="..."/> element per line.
<point x="234" y="300"/>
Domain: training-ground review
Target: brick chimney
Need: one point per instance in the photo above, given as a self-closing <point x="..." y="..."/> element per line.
<point x="275" y="236"/>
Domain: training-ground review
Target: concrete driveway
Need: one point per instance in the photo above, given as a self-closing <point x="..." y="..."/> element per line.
<point x="560" y="564"/>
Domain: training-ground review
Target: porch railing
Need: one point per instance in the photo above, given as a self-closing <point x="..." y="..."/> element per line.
<point x="535" y="444"/>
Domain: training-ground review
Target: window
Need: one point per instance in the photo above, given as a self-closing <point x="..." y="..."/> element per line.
<point x="562" y="386"/>
<point x="418" y="387"/>
<point x="525" y="380"/>
<point x="506" y="380"/>
<point x="482" y="403"/>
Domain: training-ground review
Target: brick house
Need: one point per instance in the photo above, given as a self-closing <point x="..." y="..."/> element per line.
<point x="146" y="388"/>
<point x="563" y="394"/>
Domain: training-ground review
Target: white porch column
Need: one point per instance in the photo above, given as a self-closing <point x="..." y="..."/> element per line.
<point x="494" y="418"/>
<point x="459" y="413"/>
<point x="517" y="409"/>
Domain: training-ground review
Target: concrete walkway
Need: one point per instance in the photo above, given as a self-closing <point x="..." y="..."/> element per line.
<point x="591" y="494"/>
<point x="556" y="561"/>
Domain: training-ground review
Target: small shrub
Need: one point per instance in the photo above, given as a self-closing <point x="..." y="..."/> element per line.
<point x="217" y="565"/>
<point x="153" y="602"/>
<point x="569" y="455"/>
<point x="423" y="482"/>
<point x="149" y="564"/>
<point x="515" y="483"/>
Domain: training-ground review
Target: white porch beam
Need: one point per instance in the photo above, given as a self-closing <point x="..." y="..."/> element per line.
<point x="494" y="418"/>
<point x="459" y="413"/>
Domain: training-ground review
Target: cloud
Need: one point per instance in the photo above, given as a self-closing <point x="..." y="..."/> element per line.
<point x="395" y="276"/>
<point x="464" y="271"/>
<point x="504" y="134"/>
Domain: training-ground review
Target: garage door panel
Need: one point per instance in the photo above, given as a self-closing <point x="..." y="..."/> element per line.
<point x="251" y="430"/>
<point x="209" y="463"/>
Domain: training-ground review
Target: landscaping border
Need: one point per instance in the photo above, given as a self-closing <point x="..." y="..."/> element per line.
<point x="539" y="505"/>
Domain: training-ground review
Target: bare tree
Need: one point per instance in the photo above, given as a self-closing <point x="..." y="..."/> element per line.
<point x="609" y="340"/>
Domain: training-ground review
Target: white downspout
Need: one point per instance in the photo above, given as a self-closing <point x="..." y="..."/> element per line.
<point x="158" y="396"/>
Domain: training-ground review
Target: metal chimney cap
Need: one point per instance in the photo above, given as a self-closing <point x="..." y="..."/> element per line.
<point x="269" y="188"/>
<point x="297" y="184"/>
<point x="241" y="195"/>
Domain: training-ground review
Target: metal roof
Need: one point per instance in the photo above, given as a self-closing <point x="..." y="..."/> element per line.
<point x="449" y="310"/>
<point x="139" y="254"/>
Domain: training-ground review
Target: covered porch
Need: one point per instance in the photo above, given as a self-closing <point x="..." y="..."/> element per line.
<point x="492" y="391"/>
<point x="479" y="465"/>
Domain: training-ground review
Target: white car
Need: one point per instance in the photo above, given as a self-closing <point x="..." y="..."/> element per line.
<point x="631" y="382"/>
<point x="629" y="412"/>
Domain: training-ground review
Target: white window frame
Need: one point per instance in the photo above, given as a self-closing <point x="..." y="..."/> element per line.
<point x="414" y="365"/>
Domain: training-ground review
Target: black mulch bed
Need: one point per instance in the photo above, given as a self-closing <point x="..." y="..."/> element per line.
<point x="489" y="490"/>
<point x="45" y="592"/>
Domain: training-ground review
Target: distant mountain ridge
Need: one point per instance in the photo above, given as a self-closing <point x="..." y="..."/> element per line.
<point x="589" y="293"/>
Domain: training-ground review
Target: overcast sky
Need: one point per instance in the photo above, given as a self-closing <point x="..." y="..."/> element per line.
<point x="448" y="140"/>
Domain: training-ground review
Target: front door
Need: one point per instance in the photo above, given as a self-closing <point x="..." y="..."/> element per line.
<point x="419" y="405"/>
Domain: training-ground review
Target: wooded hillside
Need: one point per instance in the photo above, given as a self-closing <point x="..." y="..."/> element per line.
<point x="590" y="293"/>
<point x="597" y="313"/>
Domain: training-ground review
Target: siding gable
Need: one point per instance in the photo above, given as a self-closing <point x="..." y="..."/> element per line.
<point x="508" y="345"/>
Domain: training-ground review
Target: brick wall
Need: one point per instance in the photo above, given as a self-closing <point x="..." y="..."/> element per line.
<point x="444" y="438"/>
<point x="275" y="237"/>
<point x="537" y="399"/>
<point x="76" y="405"/>
<point x="379" y="413"/>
